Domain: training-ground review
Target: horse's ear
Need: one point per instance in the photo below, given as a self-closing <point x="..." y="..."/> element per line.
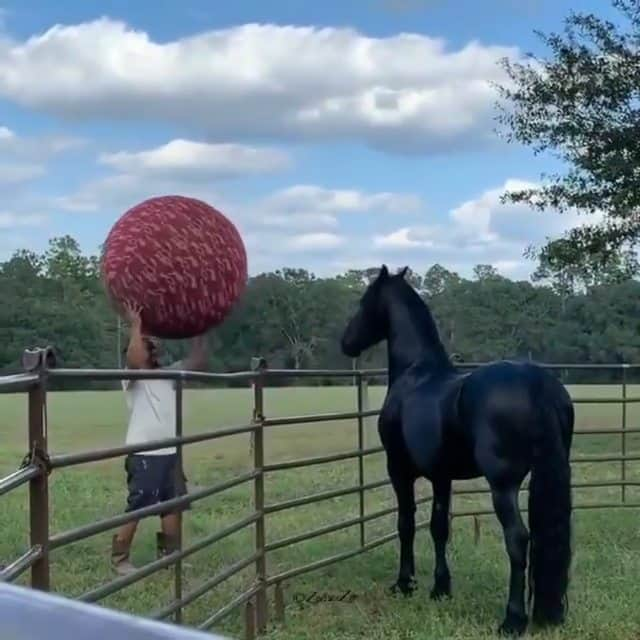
<point x="403" y="272"/>
<point x="384" y="272"/>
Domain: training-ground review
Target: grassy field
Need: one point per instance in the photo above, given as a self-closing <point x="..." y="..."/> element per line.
<point x="604" y="592"/>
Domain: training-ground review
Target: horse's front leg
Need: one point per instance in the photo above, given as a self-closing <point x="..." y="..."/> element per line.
<point x="440" y="533"/>
<point x="403" y="486"/>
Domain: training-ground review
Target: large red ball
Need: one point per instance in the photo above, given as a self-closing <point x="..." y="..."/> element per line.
<point x="178" y="258"/>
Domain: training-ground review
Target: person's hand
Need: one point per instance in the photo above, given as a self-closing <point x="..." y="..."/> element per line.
<point x="133" y="313"/>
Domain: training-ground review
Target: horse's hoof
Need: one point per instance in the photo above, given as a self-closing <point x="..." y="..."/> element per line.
<point x="549" y="619"/>
<point x="441" y="587"/>
<point x="440" y="593"/>
<point x="405" y="587"/>
<point x="513" y="625"/>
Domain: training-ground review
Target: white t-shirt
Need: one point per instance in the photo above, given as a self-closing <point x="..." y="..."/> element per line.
<point x="152" y="411"/>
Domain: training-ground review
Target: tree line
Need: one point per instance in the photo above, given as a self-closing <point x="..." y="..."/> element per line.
<point x="294" y="319"/>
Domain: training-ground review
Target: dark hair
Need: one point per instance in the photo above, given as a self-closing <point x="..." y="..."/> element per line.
<point x="149" y="343"/>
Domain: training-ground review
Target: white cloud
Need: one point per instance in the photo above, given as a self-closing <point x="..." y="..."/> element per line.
<point x="11" y="220"/>
<point x="482" y="230"/>
<point x="312" y="226"/>
<point x="310" y="220"/>
<point x="306" y="197"/>
<point x="403" y="238"/>
<point x="314" y="242"/>
<point x="112" y="192"/>
<point x="313" y="207"/>
<point x="405" y="92"/>
<point x="488" y="220"/>
<point x="269" y="250"/>
<point x="305" y="209"/>
<point x="119" y="192"/>
<point x="304" y="225"/>
<point x="484" y="222"/>
<point x="301" y="224"/>
<point x="508" y="267"/>
<point x="35" y="147"/>
<point x="187" y="159"/>
<point x="23" y="158"/>
<point x="180" y="166"/>
<point x="12" y="174"/>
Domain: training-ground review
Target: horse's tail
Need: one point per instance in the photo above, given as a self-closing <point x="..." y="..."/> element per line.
<point x="550" y="513"/>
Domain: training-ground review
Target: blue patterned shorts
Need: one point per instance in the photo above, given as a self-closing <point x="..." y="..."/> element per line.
<point x="153" y="479"/>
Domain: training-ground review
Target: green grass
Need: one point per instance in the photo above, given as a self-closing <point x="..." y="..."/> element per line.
<point x="607" y="560"/>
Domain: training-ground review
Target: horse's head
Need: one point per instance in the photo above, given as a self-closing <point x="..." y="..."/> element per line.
<point x="370" y="324"/>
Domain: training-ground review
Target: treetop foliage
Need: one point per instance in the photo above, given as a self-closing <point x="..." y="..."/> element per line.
<point x="582" y="104"/>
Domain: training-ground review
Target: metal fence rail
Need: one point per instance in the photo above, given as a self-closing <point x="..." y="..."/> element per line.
<point x="38" y="465"/>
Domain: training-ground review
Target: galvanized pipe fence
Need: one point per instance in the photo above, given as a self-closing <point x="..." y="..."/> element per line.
<point x="39" y="464"/>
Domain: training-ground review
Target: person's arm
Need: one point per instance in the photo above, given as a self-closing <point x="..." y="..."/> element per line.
<point x="197" y="359"/>
<point x="137" y="354"/>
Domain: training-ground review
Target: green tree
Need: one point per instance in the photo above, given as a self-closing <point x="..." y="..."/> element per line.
<point x="295" y="319"/>
<point x="582" y="274"/>
<point x="581" y="105"/>
<point x="437" y="280"/>
<point x="486" y="272"/>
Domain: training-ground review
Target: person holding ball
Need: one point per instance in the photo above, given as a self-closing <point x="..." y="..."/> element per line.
<point x="152" y="476"/>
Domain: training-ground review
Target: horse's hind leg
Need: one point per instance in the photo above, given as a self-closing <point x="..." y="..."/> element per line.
<point x="403" y="486"/>
<point x="516" y="537"/>
<point x="440" y="534"/>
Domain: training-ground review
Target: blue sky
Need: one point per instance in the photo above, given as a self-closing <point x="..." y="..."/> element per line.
<point x="333" y="134"/>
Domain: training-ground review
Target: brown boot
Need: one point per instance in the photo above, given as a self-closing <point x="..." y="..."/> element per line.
<point x="120" y="557"/>
<point x="166" y="545"/>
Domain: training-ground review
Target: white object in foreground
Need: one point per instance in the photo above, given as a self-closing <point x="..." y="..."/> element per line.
<point x="27" y="614"/>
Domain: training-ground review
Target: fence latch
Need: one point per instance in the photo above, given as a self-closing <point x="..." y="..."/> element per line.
<point x="38" y="458"/>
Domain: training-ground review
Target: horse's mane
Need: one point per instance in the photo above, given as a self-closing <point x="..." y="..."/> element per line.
<point x="424" y="322"/>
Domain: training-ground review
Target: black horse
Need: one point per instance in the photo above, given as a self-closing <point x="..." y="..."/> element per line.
<point x="500" y="421"/>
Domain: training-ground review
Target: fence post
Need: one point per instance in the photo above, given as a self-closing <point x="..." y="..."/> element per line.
<point x="623" y="469"/>
<point x="258" y="498"/>
<point x="180" y="466"/>
<point x="279" y="602"/>
<point x="38" y="360"/>
<point x="249" y="621"/>
<point x="363" y="405"/>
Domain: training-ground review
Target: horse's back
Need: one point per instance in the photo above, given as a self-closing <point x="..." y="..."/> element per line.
<point x="505" y="405"/>
<point x="454" y="424"/>
<point x="516" y="384"/>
